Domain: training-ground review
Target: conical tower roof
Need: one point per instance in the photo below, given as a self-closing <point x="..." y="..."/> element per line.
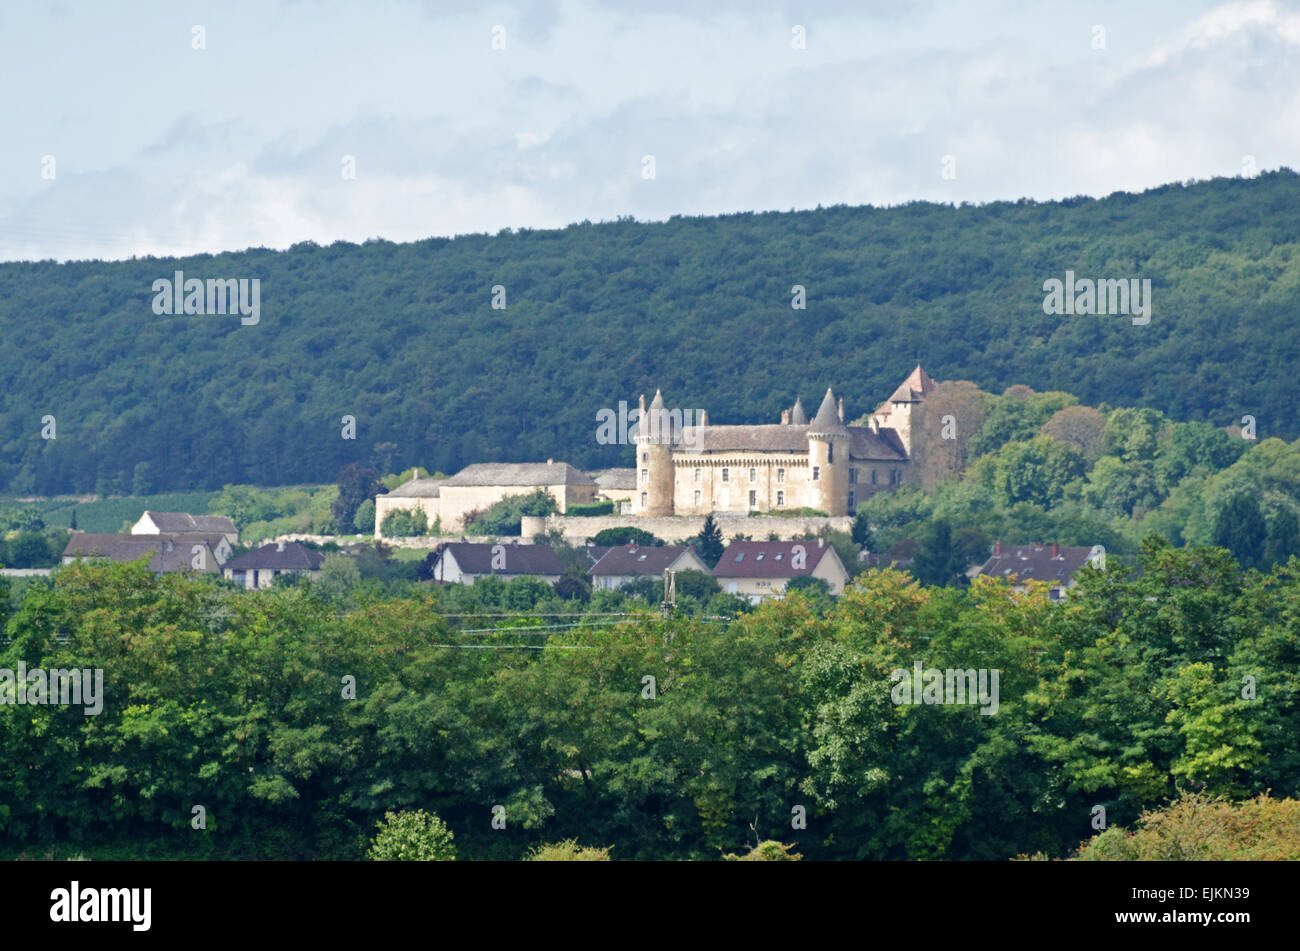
<point x="828" y="422"/>
<point x="797" y="416"/>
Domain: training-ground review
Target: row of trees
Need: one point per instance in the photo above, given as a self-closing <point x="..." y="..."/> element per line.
<point x="297" y="723"/>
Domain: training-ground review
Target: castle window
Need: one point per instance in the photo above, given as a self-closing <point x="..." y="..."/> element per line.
<point x="645" y="457"/>
<point x="780" y="498"/>
<point x="644" y="500"/>
<point x="698" y="473"/>
<point x="645" y="476"/>
<point x="893" y="476"/>
<point x="853" y="501"/>
<point x="873" y="476"/>
<point x="697" y="496"/>
<point x="753" y="499"/>
<point x="726" y="475"/>
<point x="830" y="452"/>
<point x="753" y="475"/>
<point x="853" y="477"/>
<point x="817" y="473"/>
<point x="780" y="476"/>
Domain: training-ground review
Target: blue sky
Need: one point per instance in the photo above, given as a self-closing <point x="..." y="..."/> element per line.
<point x="161" y="148"/>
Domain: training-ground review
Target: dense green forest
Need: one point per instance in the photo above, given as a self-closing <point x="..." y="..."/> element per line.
<point x="690" y="737"/>
<point x="404" y="337"/>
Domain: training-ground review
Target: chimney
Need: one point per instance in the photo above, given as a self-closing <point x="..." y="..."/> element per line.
<point x="821" y="543"/>
<point x="785" y="417"/>
<point x="550" y="462"/>
<point x="841" y="409"/>
<point x="704" y="417"/>
<point x="1056" y="549"/>
<point x="997" y="547"/>
<point x="279" y="546"/>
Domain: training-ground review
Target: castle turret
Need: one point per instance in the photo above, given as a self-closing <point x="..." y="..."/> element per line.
<point x="797" y="416"/>
<point x="828" y="459"/>
<point x="654" y="451"/>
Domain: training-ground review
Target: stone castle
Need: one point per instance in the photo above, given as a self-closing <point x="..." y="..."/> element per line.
<point x="795" y="464"/>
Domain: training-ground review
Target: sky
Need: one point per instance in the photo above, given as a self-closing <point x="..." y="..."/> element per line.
<point x="176" y="127"/>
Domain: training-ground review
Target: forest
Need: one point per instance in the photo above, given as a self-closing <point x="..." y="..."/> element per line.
<point x="102" y="395"/>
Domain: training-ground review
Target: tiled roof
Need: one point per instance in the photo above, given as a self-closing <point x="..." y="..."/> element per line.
<point x="744" y="559"/>
<point x="519" y="473"/>
<point x="642" y="560"/>
<point x="883" y="445"/>
<point x="184" y="522"/>
<point x="417" y="489"/>
<point x="168" y="552"/>
<point x="614" y="478"/>
<point x="1035" y="562"/>
<point x="475" y="558"/>
<point x="279" y="556"/>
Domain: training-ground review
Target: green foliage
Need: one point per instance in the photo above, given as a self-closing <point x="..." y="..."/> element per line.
<point x="768" y="851"/>
<point x="506" y="517"/>
<point x="590" y="508"/>
<point x="356" y="484"/>
<point x="414" y="836"/>
<point x="568" y="851"/>
<point x="960" y="285"/>
<point x="400" y="523"/>
<point x="1201" y="828"/>
<point x="1239" y="527"/>
<point x="708" y="543"/>
<point x="364" y="520"/>
<point x="626" y="536"/>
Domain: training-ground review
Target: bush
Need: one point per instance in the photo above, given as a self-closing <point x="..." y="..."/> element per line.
<point x="364" y="521"/>
<point x="506" y="517"/>
<point x="405" y="522"/>
<point x="568" y="851"/>
<point x="591" y="508"/>
<point x="416" y="836"/>
<point x="767" y="852"/>
<point x="626" y="536"/>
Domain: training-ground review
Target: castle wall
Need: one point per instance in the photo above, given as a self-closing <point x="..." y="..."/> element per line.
<point x="681" y="528"/>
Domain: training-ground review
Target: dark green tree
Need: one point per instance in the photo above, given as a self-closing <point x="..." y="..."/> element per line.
<point x="708" y="543"/>
<point x="1239" y="527"/>
<point x="356" y="484"/>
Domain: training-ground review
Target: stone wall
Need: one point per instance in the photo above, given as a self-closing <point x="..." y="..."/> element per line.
<point x="677" y="528"/>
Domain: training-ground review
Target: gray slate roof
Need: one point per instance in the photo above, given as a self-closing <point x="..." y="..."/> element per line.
<point x="286" y="556"/>
<point x="1035" y="562"/>
<point x="183" y="522"/>
<point x="614" y="478"/>
<point x="633" y="560"/>
<point x="519" y="473"/>
<point x="744" y="559"/>
<point x="475" y="558"/>
<point x="168" y="552"/>
<point x="417" y="489"/>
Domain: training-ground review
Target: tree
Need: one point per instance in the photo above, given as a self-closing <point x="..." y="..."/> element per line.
<point x="1239" y="527"/>
<point x="356" y="484"/>
<point x="1283" y="536"/>
<point x="364" y="520"/>
<point x="708" y="543"/>
<point x="415" y="836"/>
<point x="568" y="851"/>
<point x="861" y="533"/>
<point x="626" y="535"/>
<point x="1080" y="427"/>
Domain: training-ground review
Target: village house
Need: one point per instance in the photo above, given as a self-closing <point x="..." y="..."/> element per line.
<point x="628" y="563"/>
<point x="1054" y="564"/>
<point x="466" y="562"/>
<point x="175" y="523"/>
<point x="166" y="553"/>
<point x="259" y="568"/>
<point x="617" y="486"/>
<point x="478" y="487"/>
<point x="761" y="570"/>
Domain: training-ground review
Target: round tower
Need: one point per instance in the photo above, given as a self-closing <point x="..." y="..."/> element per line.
<point x="828" y="459"/>
<point x="654" y="460"/>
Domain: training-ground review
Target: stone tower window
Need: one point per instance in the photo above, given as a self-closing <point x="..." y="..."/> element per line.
<point x="753" y="475"/>
<point x="780" y="476"/>
<point x="817" y="473"/>
<point x="726" y="475"/>
<point x="780" y="498"/>
<point x="645" y="476"/>
<point x="830" y="452"/>
<point x="698" y="473"/>
<point x="697" y="496"/>
<point x="873" y="476"/>
<point x="645" y="500"/>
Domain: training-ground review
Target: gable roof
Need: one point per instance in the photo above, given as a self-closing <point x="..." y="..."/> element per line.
<point x="1035" y="562"/>
<point x="614" y="478"/>
<point x="278" y="556"/>
<point x="883" y="445"/>
<point x="167" y="552"/>
<point x="642" y="560"/>
<point x="519" y="473"/>
<point x="170" y="522"/>
<point x="417" y="489"/>
<point x="475" y="558"/>
<point x="747" y="559"/>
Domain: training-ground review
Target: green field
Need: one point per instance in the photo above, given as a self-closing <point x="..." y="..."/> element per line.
<point x="113" y="514"/>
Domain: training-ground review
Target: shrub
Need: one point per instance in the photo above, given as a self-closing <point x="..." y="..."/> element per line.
<point x="404" y="522"/>
<point x="416" y="836"/>
<point x="767" y="852"/>
<point x="568" y="851"/>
